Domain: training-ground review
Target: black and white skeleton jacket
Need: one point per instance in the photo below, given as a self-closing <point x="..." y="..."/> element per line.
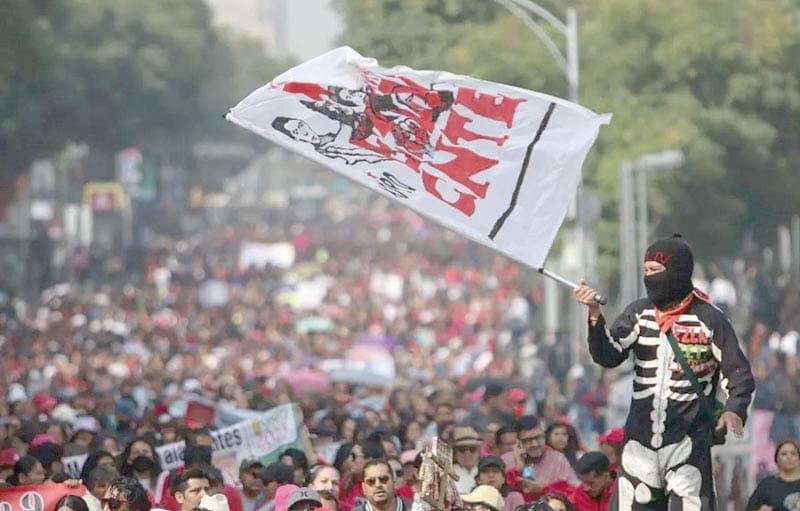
<point x="664" y="407"/>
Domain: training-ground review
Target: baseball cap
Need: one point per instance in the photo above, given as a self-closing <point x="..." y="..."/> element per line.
<point x="486" y="495"/>
<point x="491" y="461"/>
<point x="302" y="495"/>
<point x="615" y="436"/>
<point x="8" y="457"/>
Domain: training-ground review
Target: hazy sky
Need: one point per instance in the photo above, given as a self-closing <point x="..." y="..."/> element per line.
<point x="312" y="27"/>
<point x="300" y="28"/>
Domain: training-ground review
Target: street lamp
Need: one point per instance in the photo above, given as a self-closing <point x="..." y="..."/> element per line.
<point x="631" y="272"/>
<point x="568" y="63"/>
<point x="568" y="60"/>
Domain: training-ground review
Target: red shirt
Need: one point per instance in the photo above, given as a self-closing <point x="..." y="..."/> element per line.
<point x="583" y="502"/>
<point x="350" y="492"/>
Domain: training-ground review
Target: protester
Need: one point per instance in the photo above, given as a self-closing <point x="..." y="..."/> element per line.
<point x="138" y="460"/>
<point x="598" y="481"/>
<point x="611" y="445"/>
<point x="27" y="470"/>
<point x="667" y="421"/>
<point x="189" y="487"/>
<point x="505" y="439"/>
<point x="252" y="489"/>
<point x="492" y="472"/>
<point x="272" y="477"/>
<point x="98" y="458"/>
<point x="780" y="492"/>
<point x="563" y="437"/>
<point x="304" y="499"/>
<point x="324" y="478"/>
<point x="379" y="491"/>
<point x="538" y="466"/>
<point x="465" y="442"/>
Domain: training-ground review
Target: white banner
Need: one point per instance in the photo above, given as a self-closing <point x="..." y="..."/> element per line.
<point x="251" y="438"/>
<point x="497" y="164"/>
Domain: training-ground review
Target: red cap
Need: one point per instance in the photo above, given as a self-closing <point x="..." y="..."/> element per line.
<point x="8" y="457"/>
<point x="42" y="438"/>
<point x="516" y="395"/>
<point x="44" y="403"/>
<point x="615" y="436"/>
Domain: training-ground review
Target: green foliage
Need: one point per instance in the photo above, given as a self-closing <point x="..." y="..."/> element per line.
<point x="717" y="79"/>
<point x="114" y="73"/>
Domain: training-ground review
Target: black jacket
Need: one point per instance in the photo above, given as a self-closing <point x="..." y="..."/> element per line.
<point x="664" y="407"/>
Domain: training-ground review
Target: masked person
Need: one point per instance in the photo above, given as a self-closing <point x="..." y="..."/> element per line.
<point x="666" y="458"/>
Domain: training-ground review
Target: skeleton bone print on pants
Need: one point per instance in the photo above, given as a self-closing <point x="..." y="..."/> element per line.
<point x="667" y="456"/>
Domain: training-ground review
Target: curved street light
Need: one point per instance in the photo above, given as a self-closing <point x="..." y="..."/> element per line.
<point x="568" y="60"/>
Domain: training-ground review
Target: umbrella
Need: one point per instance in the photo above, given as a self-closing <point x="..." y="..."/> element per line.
<point x="313" y="324"/>
<point x="308" y="381"/>
<point x="383" y="340"/>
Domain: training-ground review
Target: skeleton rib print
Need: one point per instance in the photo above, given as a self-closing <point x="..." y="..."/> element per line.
<point x="664" y="404"/>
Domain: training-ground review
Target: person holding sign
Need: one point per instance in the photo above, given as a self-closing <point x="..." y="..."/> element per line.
<point x="683" y="348"/>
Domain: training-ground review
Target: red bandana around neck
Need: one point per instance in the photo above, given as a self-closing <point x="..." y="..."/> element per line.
<point x="666" y="319"/>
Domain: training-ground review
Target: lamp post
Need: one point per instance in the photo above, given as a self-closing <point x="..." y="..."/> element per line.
<point x="568" y="60"/>
<point x="528" y="12"/>
<point x="633" y="232"/>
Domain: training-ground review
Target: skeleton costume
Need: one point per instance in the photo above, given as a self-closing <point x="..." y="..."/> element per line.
<point x="666" y="460"/>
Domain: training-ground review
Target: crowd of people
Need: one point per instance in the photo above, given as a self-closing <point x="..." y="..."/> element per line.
<point x="96" y="367"/>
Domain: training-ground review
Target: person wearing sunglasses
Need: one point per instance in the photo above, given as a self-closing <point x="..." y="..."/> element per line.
<point x="125" y="494"/>
<point x="465" y="442"/>
<point x="378" y="483"/>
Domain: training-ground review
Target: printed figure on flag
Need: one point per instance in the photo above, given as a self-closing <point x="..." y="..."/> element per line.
<point x="495" y="163"/>
<point x="395" y="118"/>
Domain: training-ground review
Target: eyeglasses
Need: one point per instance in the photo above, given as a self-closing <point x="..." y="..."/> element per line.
<point x="469" y="448"/>
<point x="113" y="503"/>
<point x="372" y="481"/>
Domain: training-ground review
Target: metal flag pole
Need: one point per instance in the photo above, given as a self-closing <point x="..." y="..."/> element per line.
<point x="602" y="300"/>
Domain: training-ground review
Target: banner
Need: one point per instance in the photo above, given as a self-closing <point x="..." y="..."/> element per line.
<point x="42" y="497"/>
<point x="261" y="437"/>
<point x="495" y="163"/>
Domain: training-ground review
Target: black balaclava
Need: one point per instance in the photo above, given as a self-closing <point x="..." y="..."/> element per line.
<point x="672" y="285"/>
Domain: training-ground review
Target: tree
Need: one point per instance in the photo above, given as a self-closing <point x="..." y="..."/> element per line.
<point x="717" y="79"/>
<point x="112" y="73"/>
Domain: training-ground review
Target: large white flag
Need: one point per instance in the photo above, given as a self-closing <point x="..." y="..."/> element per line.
<point x="498" y="164"/>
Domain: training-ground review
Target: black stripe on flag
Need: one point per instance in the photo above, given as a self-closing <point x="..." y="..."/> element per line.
<point x="515" y="195"/>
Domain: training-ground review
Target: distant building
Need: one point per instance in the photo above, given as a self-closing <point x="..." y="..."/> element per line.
<point x="288" y="28"/>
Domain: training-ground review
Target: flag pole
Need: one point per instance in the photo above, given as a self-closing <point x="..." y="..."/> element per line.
<point x="602" y="300"/>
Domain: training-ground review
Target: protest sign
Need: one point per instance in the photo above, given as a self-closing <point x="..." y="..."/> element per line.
<point x="261" y="437"/>
<point x="41" y="497"/>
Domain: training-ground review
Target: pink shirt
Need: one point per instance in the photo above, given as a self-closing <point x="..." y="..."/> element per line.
<point x="553" y="467"/>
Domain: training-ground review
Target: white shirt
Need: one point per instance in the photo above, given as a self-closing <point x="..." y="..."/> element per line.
<point x="466" y="479"/>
